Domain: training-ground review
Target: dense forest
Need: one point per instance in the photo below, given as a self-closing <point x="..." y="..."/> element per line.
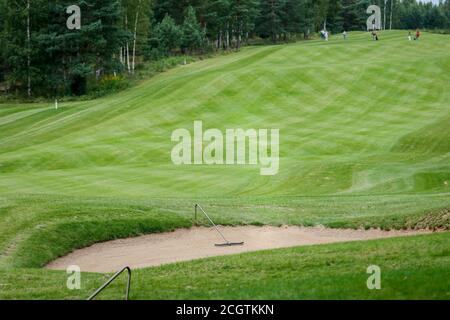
<point x="41" y="56"/>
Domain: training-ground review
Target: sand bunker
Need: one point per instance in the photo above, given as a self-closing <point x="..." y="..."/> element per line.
<point x="198" y="242"/>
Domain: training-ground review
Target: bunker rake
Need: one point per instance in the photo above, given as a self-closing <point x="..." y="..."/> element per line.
<point x="226" y="243"/>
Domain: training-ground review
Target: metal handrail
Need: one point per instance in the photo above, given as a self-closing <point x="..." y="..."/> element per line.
<point x="114" y="277"/>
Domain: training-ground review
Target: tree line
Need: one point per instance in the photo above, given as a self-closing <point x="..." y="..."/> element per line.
<point x="40" y="56"/>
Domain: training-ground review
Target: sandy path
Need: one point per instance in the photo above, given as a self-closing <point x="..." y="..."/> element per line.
<point x="198" y="242"/>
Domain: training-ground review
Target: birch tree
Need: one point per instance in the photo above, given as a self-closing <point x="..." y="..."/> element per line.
<point x="136" y="20"/>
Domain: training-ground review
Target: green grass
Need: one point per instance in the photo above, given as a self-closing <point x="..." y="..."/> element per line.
<point x="365" y="142"/>
<point x="411" y="268"/>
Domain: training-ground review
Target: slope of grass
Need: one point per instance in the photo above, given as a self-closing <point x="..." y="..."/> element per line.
<point x="365" y="142"/>
<point x="34" y="230"/>
<point x="355" y="117"/>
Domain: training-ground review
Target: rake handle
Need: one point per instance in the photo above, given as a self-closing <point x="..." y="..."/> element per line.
<point x="210" y="220"/>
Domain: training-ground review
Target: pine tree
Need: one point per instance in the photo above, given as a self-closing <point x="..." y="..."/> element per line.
<point x="18" y="42"/>
<point x="446" y="10"/>
<point x="177" y="8"/>
<point x="192" y="34"/>
<point x="334" y="16"/>
<point x="293" y="19"/>
<point x="166" y="37"/>
<point x="243" y="15"/>
<point x="2" y="40"/>
<point x="57" y="60"/>
<point x="270" y="21"/>
<point x="217" y="18"/>
<point x="100" y="26"/>
<point x="353" y="14"/>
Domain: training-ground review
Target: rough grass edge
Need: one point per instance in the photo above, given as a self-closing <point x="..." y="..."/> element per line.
<point x="48" y="243"/>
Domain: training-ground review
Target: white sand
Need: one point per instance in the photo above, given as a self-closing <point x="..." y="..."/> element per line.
<point x="198" y="242"/>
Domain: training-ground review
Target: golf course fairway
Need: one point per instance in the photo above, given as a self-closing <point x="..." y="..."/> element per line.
<point x="364" y="132"/>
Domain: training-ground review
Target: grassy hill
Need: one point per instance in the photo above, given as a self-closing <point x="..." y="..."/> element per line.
<point x="364" y="135"/>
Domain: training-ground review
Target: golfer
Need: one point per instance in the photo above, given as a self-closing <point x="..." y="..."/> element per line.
<point x="417" y="34"/>
<point x="322" y="34"/>
<point x="374" y="35"/>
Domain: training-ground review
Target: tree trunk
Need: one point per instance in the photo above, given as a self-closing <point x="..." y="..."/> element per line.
<point x="238" y="35"/>
<point x="227" y="37"/>
<point x="128" y="58"/>
<point x="135" y="36"/>
<point x="127" y="52"/>
<point x="28" y="48"/>
<point x="392" y="10"/>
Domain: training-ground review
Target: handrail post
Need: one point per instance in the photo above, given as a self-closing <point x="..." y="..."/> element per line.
<point x="114" y="277"/>
<point x="127" y="292"/>
<point x="195" y="217"/>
